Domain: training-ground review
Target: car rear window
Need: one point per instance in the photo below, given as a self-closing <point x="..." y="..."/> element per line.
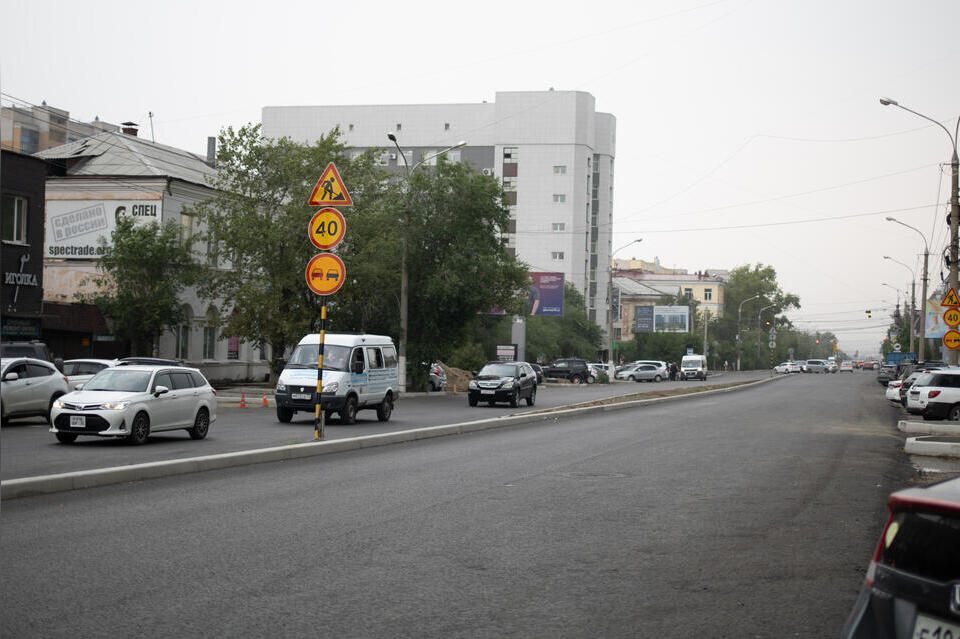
<point x="923" y="544"/>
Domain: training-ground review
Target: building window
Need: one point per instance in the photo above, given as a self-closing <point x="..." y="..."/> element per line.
<point x="453" y="156"/>
<point x="186" y="228"/>
<point x="29" y="141"/>
<point x="559" y="198"/>
<point x="210" y="334"/>
<point x="708" y="294"/>
<point x="556" y="256"/>
<point x="350" y="127"/>
<point x="560" y="169"/>
<point x="213" y="251"/>
<point x="398" y="126"/>
<point x="688" y="292"/>
<point x="14" y="219"/>
<point x="382" y="159"/>
<point x="509" y="154"/>
<point x="446" y="126"/>
<point x="558" y="227"/>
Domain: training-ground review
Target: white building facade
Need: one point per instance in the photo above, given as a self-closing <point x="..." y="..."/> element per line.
<point x="552" y="151"/>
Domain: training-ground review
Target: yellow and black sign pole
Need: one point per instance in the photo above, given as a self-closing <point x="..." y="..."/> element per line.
<point x="325" y="272"/>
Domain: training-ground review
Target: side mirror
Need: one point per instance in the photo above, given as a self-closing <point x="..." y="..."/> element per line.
<point x="11" y="377"/>
<point x="160" y="390"/>
<point x="79" y="387"/>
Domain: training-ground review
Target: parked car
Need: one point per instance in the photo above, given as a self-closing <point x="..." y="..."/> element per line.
<point x="438" y="377"/>
<point x="649" y="373"/>
<point x="846" y="366"/>
<point x="147" y="361"/>
<point x="626" y="372"/>
<point x="30" y="348"/>
<point x="503" y="382"/>
<point x="909" y="381"/>
<point x="572" y="369"/>
<point x="912" y="583"/>
<point x="133" y="401"/>
<point x="893" y="390"/>
<point x="79" y="371"/>
<point x="886" y="373"/>
<point x="936" y="395"/>
<point x="29" y="387"/>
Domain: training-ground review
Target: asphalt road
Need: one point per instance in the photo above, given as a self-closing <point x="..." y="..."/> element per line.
<point x="748" y="514"/>
<point x="28" y="449"/>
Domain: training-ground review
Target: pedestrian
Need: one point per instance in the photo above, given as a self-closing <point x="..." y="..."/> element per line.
<point x="724" y="366"/>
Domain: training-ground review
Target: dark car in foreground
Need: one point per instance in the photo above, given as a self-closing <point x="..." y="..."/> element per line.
<point x="503" y="382"/>
<point x="912" y="585"/>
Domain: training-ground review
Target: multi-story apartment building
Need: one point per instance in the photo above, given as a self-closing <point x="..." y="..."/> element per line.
<point x="552" y="150"/>
<point x="37" y="128"/>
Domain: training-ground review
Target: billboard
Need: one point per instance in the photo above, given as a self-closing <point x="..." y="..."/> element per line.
<point x="643" y="319"/>
<point x="935" y="327"/>
<point x="545" y="295"/>
<point x="671" y="319"/>
<point x="74" y="227"/>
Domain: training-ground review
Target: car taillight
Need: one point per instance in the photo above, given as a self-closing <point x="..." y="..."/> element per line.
<point x="889" y="532"/>
<point x="895" y="384"/>
<point x="214" y="390"/>
<point x="932" y="394"/>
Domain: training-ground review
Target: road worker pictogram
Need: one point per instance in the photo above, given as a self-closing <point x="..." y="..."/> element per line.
<point x="950" y="299"/>
<point x="330" y="190"/>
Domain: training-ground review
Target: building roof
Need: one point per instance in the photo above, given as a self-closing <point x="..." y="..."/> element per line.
<point x="629" y="286"/>
<point x="113" y="153"/>
<point x="660" y="278"/>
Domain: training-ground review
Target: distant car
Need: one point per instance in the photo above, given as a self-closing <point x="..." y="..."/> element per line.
<point x="572" y="369"/>
<point x="649" y="373"/>
<point x="912" y="583"/>
<point x="133" y="401"/>
<point x="887" y="372"/>
<point x="29" y="387"/>
<point x="794" y="367"/>
<point x="626" y="372"/>
<point x="893" y="390"/>
<point x="79" y="371"/>
<point x="815" y="366"/>
<point x="503" y="382"/>
<point x="782" y="368"/>
<point x="846" y="366"/>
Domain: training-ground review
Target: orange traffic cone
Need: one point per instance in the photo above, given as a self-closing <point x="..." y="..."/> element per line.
<point x="243" y="400"/>
<point x="264" y="399"/>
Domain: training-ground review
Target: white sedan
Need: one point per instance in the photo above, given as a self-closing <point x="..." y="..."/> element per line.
<point x="134" y="401"/>
<point x="783" y="367"/>
<point x="893" y="390"/>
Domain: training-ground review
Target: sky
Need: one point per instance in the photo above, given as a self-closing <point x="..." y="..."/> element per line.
<point x="748" y="131"/>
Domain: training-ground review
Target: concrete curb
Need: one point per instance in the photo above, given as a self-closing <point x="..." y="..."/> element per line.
<point x="45" y="484"/>
<point x="929" y="428"/>
<point x="932" y="446"/>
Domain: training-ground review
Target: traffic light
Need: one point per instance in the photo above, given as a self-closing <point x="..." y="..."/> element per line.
<point x="869" y="314"/>
<point x="818" y="340"/>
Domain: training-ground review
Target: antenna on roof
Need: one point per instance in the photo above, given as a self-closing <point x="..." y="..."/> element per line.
<point x="150" y="115"/>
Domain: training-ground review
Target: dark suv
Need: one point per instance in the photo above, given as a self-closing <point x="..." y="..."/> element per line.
<point x="576" y="371"/>
<point x="33" y="348"/>
<point x="503" y="382"/>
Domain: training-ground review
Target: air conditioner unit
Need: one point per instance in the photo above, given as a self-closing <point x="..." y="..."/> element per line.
<point x="393" y="156"/>
<point x="488" y="171"/>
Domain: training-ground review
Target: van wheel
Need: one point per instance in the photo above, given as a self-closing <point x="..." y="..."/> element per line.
<point x="348" y="414"/>
<point x="385" y="409"/>
<point x="284" y="414"/>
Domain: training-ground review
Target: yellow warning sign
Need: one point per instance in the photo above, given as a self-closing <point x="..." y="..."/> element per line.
<point x="950" y="299"/>
<point x="330" y="190"/>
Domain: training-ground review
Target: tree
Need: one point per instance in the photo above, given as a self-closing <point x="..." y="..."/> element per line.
<point x="140" y="276"/>
<point x="572" y="335"/>
<point x="258" y="223"/>
<point x="744" y="283"/>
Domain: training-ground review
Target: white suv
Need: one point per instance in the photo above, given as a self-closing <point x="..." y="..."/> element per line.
<point x="30" y="387"/>
<point x="936" y="395"/>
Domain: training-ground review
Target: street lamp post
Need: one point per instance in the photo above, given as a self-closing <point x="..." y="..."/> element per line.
<point x="923" y="287"/>
<point x="913" y="296"/>
<point x="610" y="304"/>
<point x="954" y="204"/>
<point x="404" y="297"/>
<point x="739" y="317"/>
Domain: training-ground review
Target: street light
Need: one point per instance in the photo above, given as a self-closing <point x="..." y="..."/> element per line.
<point x="954" y="205"/>
<point x="739" y="316"/>
<point x="402" y="354"/>
<point x="923" y="292"/>
<point x="610" y="295"/>
<point x="759" y="331"/>
<point x="913" y="294"/>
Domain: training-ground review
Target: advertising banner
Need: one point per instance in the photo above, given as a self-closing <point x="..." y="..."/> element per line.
<point x="935" y="327"/>
<point x="545" y="294"/>
<point x="671" y="319"/>
<point x="74" y="227"/>
<point x="643" y="319"/>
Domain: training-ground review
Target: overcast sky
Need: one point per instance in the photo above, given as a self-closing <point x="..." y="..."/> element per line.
<point x="736" y="119"/>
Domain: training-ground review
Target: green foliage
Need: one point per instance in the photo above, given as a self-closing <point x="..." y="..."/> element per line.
<point x="139" y="279"/>
<point x="669" y="347"/>
<point x="468" y="357"/>
<point x="573" y="335"/>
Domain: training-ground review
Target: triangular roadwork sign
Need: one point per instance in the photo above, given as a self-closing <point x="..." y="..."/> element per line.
<point x="950" y="299"/>
<point x="330" y="190"/>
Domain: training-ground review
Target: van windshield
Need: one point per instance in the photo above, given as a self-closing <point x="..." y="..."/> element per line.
<point x="335" y="358"/>
<point x="690" y="361"/>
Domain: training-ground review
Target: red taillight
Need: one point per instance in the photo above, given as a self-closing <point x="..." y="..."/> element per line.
<point x="932" y="394"/>
<point x="895" y="384"/>
<point x="872" y="568"/>
<point x="214" y="391"/>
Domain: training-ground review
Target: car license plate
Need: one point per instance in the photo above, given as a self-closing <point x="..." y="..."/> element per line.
<point x="78" y="421"/>
<point x="931" y="628"/>
<point x="301" y="395"/>
<point x="487" y="392"/>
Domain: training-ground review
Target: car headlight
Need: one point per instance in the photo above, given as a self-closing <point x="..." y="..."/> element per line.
<point x="472" y="384"/>
<point x="58" y="404"/>
<point x="281" y="388"/>
<point x="114" y="405"/>
<point x="332" y="387"/>
<point x="507" y="384"/>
